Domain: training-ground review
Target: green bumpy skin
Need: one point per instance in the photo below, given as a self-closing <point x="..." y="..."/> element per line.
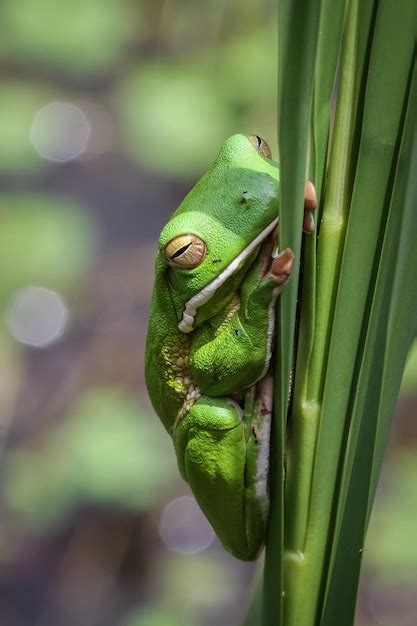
<point x="209" y="340"/>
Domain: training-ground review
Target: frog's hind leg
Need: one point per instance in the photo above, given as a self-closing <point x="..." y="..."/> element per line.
<point x="257" y="418"/>
<point x="223" y="453"/>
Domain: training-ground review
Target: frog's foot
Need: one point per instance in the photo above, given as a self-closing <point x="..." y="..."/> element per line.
<point x="281" y="267"/>
<point x="310" y="205"/>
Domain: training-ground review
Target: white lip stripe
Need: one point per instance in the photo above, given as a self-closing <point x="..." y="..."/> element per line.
<point x="190" y="311"/>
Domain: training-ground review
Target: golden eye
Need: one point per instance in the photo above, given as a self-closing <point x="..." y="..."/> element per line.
<point x="186" y="251"/>
<point x="261" y="145"/>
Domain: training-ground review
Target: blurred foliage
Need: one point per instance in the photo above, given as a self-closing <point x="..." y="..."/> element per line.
<point x="162" y="83"/>
<point x="151" y="617"/>
<point x="18" y="103"/>
<point x="107" y="450"/>
<point x="393" y="524"/>
<point x="80" y="37"/>
<point x="173" y="110"/>
<point x="43" y="239"/>
<point x="203" y="572"/>
<point x="175" y="115"/>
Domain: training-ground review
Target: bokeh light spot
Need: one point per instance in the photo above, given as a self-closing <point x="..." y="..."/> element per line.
<point x="60" y="131"/>
<point x="37" y="316"/>
<point x="183" y="527"/>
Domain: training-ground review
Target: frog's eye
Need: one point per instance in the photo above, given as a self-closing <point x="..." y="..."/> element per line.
<point x="261" y="145"/>
<point x="186" y="251"/>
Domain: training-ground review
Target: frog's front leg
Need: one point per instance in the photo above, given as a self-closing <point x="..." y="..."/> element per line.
<point x="233" y="351"/>
<point x="223" y="453"/>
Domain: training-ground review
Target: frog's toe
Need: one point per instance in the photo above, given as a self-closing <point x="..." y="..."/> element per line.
<point x="310" y="205"/>
<point x="282" y="265"/>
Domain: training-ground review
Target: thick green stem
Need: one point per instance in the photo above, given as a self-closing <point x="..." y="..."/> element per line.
<point x="298" y="22"/>
<point x="337" y="366"/>
<point x="309" y="379"/>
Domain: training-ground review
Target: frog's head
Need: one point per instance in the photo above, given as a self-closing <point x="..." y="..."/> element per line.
<point x="213" y="236"/>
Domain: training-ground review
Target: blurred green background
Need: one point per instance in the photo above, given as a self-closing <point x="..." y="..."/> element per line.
<point x="109" y="111"/>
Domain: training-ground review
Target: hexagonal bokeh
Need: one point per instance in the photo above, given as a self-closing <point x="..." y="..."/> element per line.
<point x="60" y="131"/>
<point x="37" y="316"/>
<point x="183" y="527"/>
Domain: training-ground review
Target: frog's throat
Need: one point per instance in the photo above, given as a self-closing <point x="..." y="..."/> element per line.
<point x="203" y="296"/>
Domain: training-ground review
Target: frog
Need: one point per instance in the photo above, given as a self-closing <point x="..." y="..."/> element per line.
<point x="218" y="274"/>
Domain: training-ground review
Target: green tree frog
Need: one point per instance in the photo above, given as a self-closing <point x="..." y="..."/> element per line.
<point x="208" y="352"/>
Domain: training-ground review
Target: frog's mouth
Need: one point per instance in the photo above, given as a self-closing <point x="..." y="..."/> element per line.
<point x="187" y="322"/>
